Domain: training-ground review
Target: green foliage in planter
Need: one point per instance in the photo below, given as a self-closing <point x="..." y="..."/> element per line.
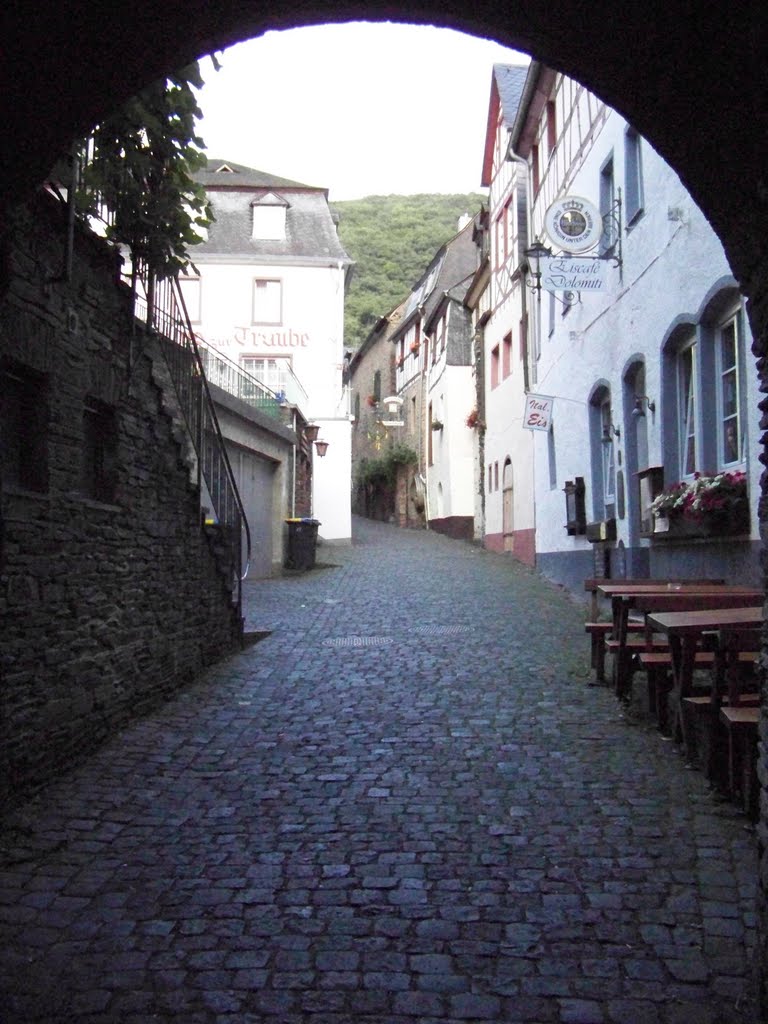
<point x="382" y="471"/>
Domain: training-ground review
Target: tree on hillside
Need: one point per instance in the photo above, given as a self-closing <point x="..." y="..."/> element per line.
<point x="392" y="239"/>
<point x="139" y="163"/>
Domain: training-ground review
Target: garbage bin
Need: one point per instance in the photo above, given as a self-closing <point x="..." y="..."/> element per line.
<point x="302" y="543"/>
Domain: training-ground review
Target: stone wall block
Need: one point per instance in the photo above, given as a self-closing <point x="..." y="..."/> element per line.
<point x="107" y="608"/>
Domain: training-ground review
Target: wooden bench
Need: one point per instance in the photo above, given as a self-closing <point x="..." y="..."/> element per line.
<point x="741" y="727"/>
<point x="657" y="665"/>
<point x="600" y="630"/>
<point x="733" y="707"/>
<point x="599" y="633"/>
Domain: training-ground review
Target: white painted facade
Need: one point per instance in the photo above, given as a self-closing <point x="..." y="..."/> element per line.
<point x="450" y="465"/>
<point x="600" y="353"/>
<point x="433" y="353"/>
<point x="507" y="469"/>
<point x="275" y="306"/>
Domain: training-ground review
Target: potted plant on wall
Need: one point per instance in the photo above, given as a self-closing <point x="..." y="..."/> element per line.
<point x="709" y="505"/>
<point x="473" y="420"/>
<point x="437" y="424"/>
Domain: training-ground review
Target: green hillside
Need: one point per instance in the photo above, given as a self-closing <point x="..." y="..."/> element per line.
<point x="392" y="239"/>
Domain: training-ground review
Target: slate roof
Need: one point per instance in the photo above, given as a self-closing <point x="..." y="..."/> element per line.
<point x="242" y="177"/>
<point x="310" y="230"/>
<point x="507" y="88"/>
<point x="453" y="265"/>
<point x="510" y="82"/>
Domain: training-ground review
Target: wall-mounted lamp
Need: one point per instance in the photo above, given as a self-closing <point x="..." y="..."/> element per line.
<point x="643" y="402"/>
<point x="311" y="431"/>
<point x="536" y="252"/>
<point x="321" y="447"/>
<point x="609" y="432"/>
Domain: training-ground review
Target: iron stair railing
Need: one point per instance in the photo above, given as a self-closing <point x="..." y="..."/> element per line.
<point x="166" y="315"/>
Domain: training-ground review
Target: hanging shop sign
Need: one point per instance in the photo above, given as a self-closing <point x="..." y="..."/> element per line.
<point x="538" y="412"/>
<point x="573" y="224"/>
<point x="572" y="273"/>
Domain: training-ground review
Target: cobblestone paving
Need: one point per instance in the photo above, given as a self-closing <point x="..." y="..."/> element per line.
<point x="405" y="805"/>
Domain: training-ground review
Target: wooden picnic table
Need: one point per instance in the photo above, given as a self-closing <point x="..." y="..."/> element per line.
<point x="656" y="597"/>
<point x="685" y="630"/>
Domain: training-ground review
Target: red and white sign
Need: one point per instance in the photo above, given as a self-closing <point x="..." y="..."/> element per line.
<point x="538" y="412"/>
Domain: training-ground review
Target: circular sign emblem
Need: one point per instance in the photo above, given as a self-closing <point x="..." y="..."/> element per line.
<point x="573" y="224"/>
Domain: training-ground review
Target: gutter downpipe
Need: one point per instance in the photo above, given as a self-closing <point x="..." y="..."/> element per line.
<point x="532" y="79"/>
<point x="293" y="473"/>
<point x="524" y="268"/>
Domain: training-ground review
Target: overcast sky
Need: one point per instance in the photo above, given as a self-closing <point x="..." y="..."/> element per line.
<point x="360" y="109"/>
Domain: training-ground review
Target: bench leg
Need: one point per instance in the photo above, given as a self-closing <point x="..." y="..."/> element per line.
<point x="662" y="686"/>
<point x="598" y="657"/>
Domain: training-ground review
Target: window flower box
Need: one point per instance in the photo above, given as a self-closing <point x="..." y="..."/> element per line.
<point x="710" y="505"/>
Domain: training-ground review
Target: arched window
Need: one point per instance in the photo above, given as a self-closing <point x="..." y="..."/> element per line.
<point x="603" y="448"/>
<point x="703" y="391"/>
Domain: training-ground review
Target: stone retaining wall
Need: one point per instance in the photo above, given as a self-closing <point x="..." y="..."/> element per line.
<point x="107" y="606"/>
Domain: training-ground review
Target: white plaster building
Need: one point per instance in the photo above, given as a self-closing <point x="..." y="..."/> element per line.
<point x="267" y="290"/>
<point x="507" y="463"/>
<point x="652" y="375"/>
<point x="434" y="354"/>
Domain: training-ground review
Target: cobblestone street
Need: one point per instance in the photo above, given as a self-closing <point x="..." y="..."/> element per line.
<point x="404" y="806"/>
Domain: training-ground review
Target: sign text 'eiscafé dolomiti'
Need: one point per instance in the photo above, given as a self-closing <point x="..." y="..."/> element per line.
<point x="572" y="273"/>
<point x="538" y="412"/>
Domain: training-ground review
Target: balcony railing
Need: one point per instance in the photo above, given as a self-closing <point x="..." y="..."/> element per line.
<point x="232" y="378"/>
<point x="161" y="306"/>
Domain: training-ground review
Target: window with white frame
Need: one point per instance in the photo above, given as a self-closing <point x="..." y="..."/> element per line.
<point x="602" y="440"/>
<point x="267" y="301"/>
<point x="191" y="292"/>
<point x="633" y="175"/>
<point x="686" y="408"/>
<point x="703" y="381"/>
<point x="607" y="199"/>
<point x="608" y="452"/>
<point x="729" y="426"/>
<point x="273" y="371"/>
<point x="269" y="217"/>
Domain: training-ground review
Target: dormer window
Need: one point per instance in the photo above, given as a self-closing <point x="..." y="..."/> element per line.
<point x="269" y="216"/>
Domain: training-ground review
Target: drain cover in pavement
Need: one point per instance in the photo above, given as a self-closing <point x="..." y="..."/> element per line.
<point x="443" y="630"/>
<point x="358" y="641"/>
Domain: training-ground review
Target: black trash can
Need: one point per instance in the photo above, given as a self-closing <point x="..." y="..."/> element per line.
<point x="302" y="543"/>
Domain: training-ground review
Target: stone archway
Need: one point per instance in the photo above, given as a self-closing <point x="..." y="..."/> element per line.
<point x="690" y="78"/>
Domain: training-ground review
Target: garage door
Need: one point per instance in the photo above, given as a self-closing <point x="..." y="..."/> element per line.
<point x="255" y="479"/>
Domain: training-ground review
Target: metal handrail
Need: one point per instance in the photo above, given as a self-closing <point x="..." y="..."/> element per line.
<point x="232" y="378"/>
<point x="167" y="315"/>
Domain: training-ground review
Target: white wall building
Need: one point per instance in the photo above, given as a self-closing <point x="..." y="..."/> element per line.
<point x="268" y="291"/>
<point x="434" y="352"/>
<point x="652" y="375"/>
<point x="507" y="471"/>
